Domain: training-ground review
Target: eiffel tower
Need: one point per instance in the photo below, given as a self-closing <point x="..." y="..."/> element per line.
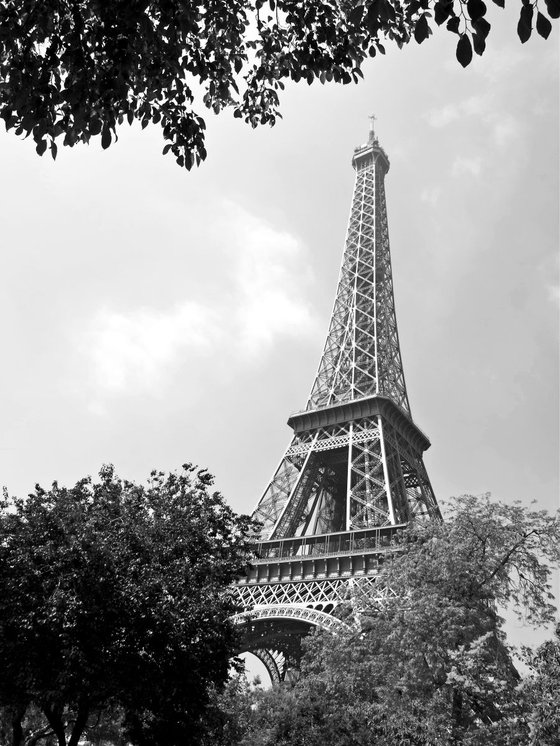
<point x="353" y="474"/>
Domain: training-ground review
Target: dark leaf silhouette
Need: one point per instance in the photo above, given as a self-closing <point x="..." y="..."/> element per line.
<point x="553" y="8"/>
<point x="74" y="70"/>
<point x="544" y="27"/>
<point x="525" y="24"/>
<point x="422" y="30"/>
<point x="464" y="50"/>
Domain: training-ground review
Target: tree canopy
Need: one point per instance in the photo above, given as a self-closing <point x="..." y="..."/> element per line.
<point x="430" y="664"/>
<point x="79" y="69"/>
<point x="543" y="692"/>
<point x="112" y="595"/>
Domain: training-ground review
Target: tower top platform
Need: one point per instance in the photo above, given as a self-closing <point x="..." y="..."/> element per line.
<point x="371" y="150"/>
<point x="356" y="409"/>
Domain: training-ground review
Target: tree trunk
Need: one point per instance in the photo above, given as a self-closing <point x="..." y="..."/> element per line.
<point x="57" y="724"/>
<point x="457" y="716"/>
<point x="17" y="729"/>
<point x="79" y="725"/>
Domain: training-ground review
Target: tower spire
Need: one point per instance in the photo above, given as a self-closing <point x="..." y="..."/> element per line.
<point x="372" y="119"/>
<point x="362" y="356"/>
<point x="353" y="473"/>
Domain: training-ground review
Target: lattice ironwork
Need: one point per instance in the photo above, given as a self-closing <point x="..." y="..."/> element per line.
<point x="361" y="355"/>
<point x="280" y="488"/>
<point x="355" y="460"/>
<point x="280" y="594"/>
<point x="361" y="466"/>
<point x="312" y="616"/>
<point x="274" y="662"/>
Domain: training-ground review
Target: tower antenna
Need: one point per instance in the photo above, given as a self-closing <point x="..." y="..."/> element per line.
<point x="372" y="119"/>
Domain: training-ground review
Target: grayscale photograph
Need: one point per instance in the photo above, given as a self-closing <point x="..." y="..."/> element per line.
<point x="280" y="382"/>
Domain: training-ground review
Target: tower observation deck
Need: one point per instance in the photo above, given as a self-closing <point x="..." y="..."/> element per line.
<point x="353" y="474"/>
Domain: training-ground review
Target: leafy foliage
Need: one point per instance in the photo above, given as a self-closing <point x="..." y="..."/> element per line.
<point x="429" y="665"/>
<point x="229" y="714"/>
<point x="80" y="69"/>
<point x="112" y="594"/>
<point x="543" y="693"/>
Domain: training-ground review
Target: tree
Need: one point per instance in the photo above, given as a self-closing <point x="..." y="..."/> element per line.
<point x="113" y="595"/>
<point x="229" y="714"/>
<point x="31" y="727"/>
<point x="543" y="693"/>
<point x="80" y="69"/>
<point x="429" y="663"/>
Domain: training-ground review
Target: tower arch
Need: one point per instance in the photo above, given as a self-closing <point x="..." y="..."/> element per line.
<point x="274" y="633"/>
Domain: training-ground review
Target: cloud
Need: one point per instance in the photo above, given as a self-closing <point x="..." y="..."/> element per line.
<point x="505" y="130"/>
<point x="554" y="294"/>
<point x="133" y="350"/>
<point x="431" y="195"/>
<point x="502" y="125"/>
<point x="549" y="272"/>
<point x="254" y="296"/>
<point x="500" y="62"/>
<point x="463" y="165"/>
<point x="451" y="112"/>
<point x="444" y="116"/>
<point x="269" y="285"/>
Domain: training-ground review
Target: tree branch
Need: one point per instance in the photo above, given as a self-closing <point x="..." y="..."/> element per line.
<point x="506" y="558"/>
<point x="33" y="738"/>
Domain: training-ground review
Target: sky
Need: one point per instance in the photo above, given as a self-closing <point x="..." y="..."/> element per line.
<point x="150" y="316"/>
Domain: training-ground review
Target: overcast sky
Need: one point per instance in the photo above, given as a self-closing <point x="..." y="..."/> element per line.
<point x="150" y="316"/>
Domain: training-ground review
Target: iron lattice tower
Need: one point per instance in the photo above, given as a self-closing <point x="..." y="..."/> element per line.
<point x="353" y="473"/>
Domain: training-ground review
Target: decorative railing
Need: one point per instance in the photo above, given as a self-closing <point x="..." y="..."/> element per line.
<point x="322" y="545"/>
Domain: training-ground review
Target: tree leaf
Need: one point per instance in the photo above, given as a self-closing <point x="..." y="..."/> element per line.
<point x="482" y="28"/>
<point x="544" y="27"/>
<point x="106" y="138"/>
<point x="95" y="126"/>
<point x="476" y="9"/>
<point x="553" y="8"/>
<point x="453" y="24"/>
<point x="464" y="50"/>
<point x="422" y="29"/>
<point x="525" y="24"/>
<point x="41" y="146"/>
<point x="479" y="43"/>
<point x="442" y="10"/>
<point x="356" y="14"/>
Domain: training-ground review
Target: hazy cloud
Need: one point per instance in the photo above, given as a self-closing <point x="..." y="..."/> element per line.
<point x="499" y="63"/>
<point x="431" y="195"/>
<point x="505" y="130"/>
<point x="503" y="126"/>
<point x="464" y="165"/>
<point x="132" y="350"/>
<point x="443" y="116"/>
<point x="549" y="271"/>
<point x="262" y="286"/>
<point x="554" y="293"/>
<point x="268" y="281"/>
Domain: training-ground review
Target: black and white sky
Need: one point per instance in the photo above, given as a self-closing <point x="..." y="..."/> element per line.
<point x="150" y="316"/>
